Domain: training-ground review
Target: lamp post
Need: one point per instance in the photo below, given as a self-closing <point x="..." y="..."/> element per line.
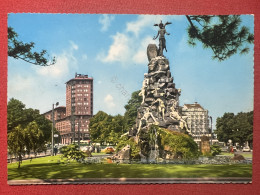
<point x="52" y="128"/>
<point x="79" y="124"/>
<point x="210" y="129"/>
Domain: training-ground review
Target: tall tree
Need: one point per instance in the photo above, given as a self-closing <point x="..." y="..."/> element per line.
<point x="15" y="114"/>
<point x="98" y="125"/>
<point x="17" y="143"/>
<point x="22" y="140"/>
<point x="225" y="126"/>
<point x="106" y="128"/>
<point x="34" y="138"/>
<point x="238" y="128"/>
<point x="18" y="114"/>
<point x="223" y="34"/>
<point x="24" y="51"/>
<point x="131" y="109"/>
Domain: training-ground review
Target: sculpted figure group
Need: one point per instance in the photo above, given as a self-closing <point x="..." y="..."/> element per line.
<point x="159" y="96"/>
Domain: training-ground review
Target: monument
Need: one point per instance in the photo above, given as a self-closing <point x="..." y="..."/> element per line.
<point x="160" y="102"/>
<point x="160" y="97"/>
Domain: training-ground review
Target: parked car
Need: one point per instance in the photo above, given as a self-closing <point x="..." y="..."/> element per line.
<point x="109" y="150"/>
<point x="234" y="148"/>
<point x="246" y="149"/>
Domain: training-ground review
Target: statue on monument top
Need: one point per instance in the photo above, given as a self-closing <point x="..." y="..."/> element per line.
<point x="162" y="41"/>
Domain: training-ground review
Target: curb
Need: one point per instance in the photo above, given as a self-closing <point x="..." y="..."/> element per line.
<point x="243" y="180"/>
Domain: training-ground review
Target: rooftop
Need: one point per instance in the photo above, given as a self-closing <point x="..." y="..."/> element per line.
<point x="195" y="105"/>
<point x="80" y="77"/>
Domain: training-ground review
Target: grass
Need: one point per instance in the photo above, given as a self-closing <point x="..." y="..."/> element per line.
<point x="54" y="168"/>
<point x="97" y="154"/>
<point x="246" y="155"/>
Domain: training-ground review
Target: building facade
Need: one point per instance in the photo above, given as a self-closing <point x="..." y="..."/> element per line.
<point x="197" y="120"/>
<point x="72" y="121"/>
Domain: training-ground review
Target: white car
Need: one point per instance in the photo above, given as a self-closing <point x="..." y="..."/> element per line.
<point x="246" y="149"/>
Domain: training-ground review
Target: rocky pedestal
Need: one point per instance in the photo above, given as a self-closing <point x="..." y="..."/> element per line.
<point x="123" y="154"/>
<point x="160" y="100"/>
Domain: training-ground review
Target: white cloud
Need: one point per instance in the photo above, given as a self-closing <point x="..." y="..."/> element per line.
<point x="140" y="57"/>
<point x="105" y="20"/>
<point x="119" y="50"/>
<point x="142" y="22"/>
<point x="20" y="84"/>
<point x="109" y="101"/>
<point x="38" y="87"/>
<point x="146" y="21"/>
<point x="61" y="68"/>
<point x="129" y="46"/>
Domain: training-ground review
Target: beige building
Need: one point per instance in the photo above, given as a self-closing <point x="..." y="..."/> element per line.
<point x="197" y="120"/>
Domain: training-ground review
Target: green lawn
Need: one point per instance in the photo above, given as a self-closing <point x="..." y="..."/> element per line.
<point x="50" y="168"/>
<point x="246" y="155"/>
<point x="97" y="154"/>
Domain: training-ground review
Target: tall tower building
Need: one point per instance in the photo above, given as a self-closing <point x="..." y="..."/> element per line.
<point x="79" y="105"/>
<point x="79" y="96"/>
<point x="72" y="121"/>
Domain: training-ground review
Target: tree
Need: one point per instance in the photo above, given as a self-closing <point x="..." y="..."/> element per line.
<point x="113" y="137"/>
<point x="20" y="50"/>
<point x="24" y="140"/>
<point x="16" y="143"/>
<point x="106" y="128"/>
<point x="224" y="34"/>
<point x="238" y="128"/>
<point x="224" y="127"/>
<point x="98" y="126"/>
<point x="243" y="128"/>
<point x="34" y="138"/>
<point x="131" y="109"/>
<point x="27" y="129"/>
<point x="15" y="114"/>
<point x="44" y="124"/>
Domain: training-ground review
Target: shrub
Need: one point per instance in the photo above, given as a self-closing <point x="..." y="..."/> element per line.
<point x="215" y="150"/>
<point x="72" y="152"/>
<point x="178" y="144"/>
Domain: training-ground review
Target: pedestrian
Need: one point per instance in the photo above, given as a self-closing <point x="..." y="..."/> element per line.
<point x="55" y="150"/>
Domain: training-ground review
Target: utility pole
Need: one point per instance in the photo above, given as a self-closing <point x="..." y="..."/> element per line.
<point x="210" y="129"/>
<point x="72" y="120"/>
<point x="52" y="128"/>
<point x="79" y="132"/>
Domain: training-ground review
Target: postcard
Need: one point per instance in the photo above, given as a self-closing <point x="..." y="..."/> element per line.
<point x="130" y="99"/>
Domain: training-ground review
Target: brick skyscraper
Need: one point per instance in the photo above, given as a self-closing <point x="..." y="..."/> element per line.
<point x="72" y="121"/>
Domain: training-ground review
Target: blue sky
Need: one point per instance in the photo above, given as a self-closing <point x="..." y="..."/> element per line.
<point x="109" y="47"/>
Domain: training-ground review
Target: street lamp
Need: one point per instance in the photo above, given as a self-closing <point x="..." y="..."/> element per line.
<point x="79" y="125"/>
<point x="210" y="129"/>
<point x="52" y="128"/>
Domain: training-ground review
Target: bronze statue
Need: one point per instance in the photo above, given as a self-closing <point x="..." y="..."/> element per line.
<point x="162" y="41"/>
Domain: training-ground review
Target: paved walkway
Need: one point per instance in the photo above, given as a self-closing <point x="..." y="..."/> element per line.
<point x="244" y="180"/>
<point x="39" y="155"/>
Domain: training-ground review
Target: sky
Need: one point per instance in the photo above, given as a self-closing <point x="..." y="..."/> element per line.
<point x="112" y="50"/>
